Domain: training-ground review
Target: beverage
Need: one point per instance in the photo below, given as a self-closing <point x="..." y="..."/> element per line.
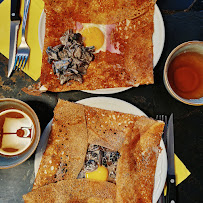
<point x="185" y="75"/>
<point x="17" y="131"/>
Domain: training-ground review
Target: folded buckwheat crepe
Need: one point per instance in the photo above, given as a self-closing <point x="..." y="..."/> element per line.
<point x="76" y="127"/>
<point x="123" y="29"/>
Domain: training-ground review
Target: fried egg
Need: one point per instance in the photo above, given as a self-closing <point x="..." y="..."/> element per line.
<point x="97" y="35"/>
<point x="101" y="173"/>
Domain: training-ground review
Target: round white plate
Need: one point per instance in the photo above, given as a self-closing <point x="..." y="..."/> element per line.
<point x="109" y="103"/>
<point x="158" y="42"/>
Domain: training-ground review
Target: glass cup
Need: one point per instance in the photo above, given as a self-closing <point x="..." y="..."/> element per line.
<point x="19" y="132"/>
<point x="190" y="83"/>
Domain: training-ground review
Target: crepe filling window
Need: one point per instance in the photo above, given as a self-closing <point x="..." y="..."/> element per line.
<point x="99" y="158"/>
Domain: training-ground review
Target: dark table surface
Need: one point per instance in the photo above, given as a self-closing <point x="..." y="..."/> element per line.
<point x="183" y="21"/>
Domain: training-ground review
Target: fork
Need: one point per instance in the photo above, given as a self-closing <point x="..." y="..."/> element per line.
<point x="164" y="137"/>
<point x="23" y="50"/>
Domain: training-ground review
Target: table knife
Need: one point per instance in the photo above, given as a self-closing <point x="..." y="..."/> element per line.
<point x="171" y="179"/>
<point x="14" y="26"/>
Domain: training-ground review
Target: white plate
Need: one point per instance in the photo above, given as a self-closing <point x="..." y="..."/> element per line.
<point x="158" y="42"/>
<point x="109" y="103"/>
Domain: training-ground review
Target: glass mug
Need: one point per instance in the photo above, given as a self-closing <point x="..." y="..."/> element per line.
<point x="19" y="128"/>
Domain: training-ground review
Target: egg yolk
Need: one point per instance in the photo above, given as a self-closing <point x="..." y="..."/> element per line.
<point x="101" y="173"/>
<point x="93" y="36"/>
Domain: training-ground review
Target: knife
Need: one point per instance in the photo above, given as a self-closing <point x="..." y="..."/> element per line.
<point x="14" y="26"/>
<point x="171" y="179"/>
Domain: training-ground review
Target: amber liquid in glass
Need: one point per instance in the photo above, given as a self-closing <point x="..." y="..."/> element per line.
<point x="185" y="75"/>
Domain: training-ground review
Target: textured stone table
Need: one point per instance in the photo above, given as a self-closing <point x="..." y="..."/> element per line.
<point x="183" y="22"/>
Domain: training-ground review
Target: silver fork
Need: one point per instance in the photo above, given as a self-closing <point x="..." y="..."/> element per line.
<point x="23" y="50"/>
<point x="164" y="137"/>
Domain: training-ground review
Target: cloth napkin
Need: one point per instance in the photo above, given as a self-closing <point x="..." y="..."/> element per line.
<point x="33" y="66"/>
<point x="181" y="172"/>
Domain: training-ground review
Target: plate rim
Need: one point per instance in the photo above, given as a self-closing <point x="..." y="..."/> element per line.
<point x="130" y="106"/>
